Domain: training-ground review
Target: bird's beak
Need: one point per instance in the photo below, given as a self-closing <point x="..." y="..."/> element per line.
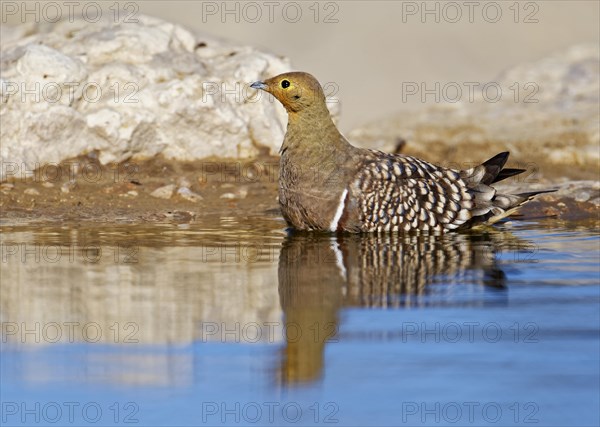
<point x="259" y="85"/>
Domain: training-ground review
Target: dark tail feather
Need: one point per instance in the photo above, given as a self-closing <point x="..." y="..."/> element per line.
<point x="493" y="167"/>
<point x="495" y="171"/>
<point x="507" y="173"/>
<point x="489" y="206"/>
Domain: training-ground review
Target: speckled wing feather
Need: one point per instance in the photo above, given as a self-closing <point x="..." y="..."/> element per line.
<point x="393" y="192"/>
<point x="400" y="193"/>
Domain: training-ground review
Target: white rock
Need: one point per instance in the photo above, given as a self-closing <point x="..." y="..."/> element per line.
<point x="31" y="192"/>
<point x="189" y="195"/>
<point x="67" y="187"/>
<point x="183" y="182"/>
<point x="583" y="196"/>
<point x="132" y="90"/>
<point x="242" y="192"/>
<point x="164" y="192"/>
<point x="42" y="64"/>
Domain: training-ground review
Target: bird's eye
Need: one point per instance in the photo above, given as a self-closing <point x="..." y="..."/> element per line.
<point x="285" y="84"/>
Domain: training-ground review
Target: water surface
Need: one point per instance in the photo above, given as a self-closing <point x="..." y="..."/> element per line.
<point x="233" y="321"/>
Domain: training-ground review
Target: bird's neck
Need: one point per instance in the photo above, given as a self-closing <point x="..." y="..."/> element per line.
<point x="316" y="159"/>
<point x="312" y="136"/>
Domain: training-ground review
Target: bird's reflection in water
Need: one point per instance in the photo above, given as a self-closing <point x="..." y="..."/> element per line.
<point x="319" y="274"/>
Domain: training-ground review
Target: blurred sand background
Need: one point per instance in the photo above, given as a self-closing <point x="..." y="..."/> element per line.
<point x="370" y="51"/>
<point x="376" y="45"/>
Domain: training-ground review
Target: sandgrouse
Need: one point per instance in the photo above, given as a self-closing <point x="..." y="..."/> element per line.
<point x="327" y="184"/>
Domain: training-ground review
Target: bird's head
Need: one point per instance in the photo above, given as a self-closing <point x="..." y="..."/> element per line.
<point x="297" y="91"/>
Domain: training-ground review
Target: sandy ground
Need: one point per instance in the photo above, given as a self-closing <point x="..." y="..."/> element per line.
<point x="84" y="190"/>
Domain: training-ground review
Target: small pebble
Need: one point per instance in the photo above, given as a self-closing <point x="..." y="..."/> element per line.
<point x="164" y="192"/>
<point x="184" y="182"/>
<point x="227" y="196"/>
<point x="32" y="192"/>
<point x="67" y="187"/>
<point x="584" y="196"/>
<point x="242" y="192"/>
<point x="189" y="195"/>
<point x="6" y="187"/>
<point x="131" y="193"/>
